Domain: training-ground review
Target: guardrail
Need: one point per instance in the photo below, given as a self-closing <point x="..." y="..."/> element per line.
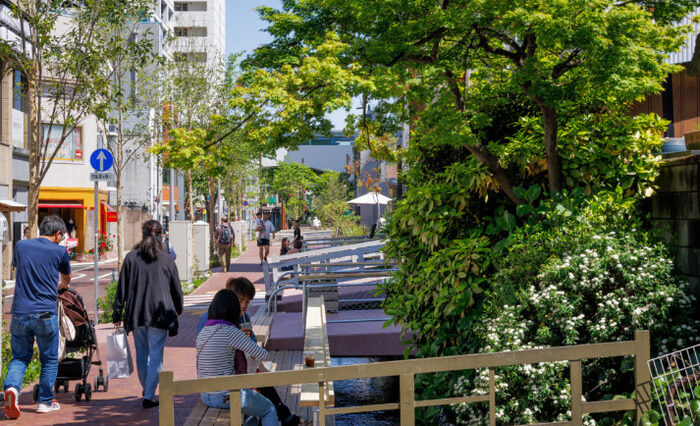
<point x="406" y="370"/>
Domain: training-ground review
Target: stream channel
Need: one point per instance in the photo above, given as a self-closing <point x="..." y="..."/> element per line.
<point x="376" y="390"/>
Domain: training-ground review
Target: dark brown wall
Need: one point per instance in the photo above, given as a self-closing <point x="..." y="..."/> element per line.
<point x="676" y="206"/>
<point x="686" y="104"/>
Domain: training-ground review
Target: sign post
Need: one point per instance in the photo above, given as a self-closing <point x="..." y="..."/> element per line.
<point x="101" y="160"/>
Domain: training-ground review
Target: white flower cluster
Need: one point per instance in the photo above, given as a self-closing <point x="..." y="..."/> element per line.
<point x="598" y="293"/>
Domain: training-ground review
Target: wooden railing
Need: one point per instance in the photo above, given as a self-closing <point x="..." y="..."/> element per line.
<point x="406" y="370"/>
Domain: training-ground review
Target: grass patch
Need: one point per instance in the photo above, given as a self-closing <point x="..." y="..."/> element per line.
<point x="105" y="303"/>
<point x="195" y="284"/>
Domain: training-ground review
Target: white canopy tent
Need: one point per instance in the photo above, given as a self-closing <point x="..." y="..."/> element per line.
<point x="371" y="198"/>
<point x="374" y="199"/>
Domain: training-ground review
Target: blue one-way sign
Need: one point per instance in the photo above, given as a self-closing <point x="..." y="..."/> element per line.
<point x="101" y="160"/>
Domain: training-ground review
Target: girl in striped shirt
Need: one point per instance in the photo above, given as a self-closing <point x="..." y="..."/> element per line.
<point x="220" y="352"/>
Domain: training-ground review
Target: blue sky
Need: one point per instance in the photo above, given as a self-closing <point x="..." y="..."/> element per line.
<point x="245" y="31"/>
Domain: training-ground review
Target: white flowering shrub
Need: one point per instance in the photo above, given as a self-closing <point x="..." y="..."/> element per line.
<point x="600" y="289"/>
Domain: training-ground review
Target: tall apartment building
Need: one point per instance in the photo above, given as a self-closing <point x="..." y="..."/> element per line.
<point x="200" y="31"/>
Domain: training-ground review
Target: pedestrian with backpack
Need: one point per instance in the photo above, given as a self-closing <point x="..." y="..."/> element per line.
<point x="224" y="237"/>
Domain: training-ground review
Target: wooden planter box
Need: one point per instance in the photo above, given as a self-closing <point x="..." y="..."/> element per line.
<point x="692" y="140"/>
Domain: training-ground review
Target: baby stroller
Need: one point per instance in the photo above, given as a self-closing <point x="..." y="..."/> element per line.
<point x="85" y="343"/>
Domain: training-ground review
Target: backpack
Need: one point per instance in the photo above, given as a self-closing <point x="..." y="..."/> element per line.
<point x="226" y="235"/>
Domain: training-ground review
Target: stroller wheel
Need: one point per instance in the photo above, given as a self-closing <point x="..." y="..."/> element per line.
<point x="78" y="391"/>
<point x="88" y="391"/>
<point x="96" y="383"/>
<point x="57" y="387"/>
<point x="66" y="384"/>
<point x="35" y="393"/>
<point x="105" y="383"/>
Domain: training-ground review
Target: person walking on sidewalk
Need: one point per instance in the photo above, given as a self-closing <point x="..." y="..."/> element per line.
<point x="224" y="237"/>
<point x="38" y="262"/>
<point x="266" y="229"/>
<point x="150" y="296"/>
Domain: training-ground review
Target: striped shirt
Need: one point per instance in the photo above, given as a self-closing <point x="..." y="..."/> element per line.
<point x="217" y="356"/>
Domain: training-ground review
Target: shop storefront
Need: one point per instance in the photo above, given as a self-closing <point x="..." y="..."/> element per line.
<point x="76" y="207"/>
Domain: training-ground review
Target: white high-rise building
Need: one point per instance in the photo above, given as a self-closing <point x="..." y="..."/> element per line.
<point x="200" y="31"/>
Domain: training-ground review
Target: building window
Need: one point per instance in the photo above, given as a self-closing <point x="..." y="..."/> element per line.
<point x="72" y="148"/>
<point x="20" y="92"/>
<point x="20" y="108"/>
<point x="190" y="6"/>
<point x="190" y="31"/>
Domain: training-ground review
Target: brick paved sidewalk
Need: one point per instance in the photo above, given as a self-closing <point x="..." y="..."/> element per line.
<point x="122" y="402"/>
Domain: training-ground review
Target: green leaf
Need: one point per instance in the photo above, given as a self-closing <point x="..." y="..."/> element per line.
<point x="523" y="210"/>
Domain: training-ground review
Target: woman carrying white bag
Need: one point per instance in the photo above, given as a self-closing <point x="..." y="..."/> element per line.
<point x="150" y="296"/>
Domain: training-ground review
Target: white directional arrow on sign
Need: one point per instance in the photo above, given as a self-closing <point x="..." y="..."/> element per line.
<point x="101" y="157"/>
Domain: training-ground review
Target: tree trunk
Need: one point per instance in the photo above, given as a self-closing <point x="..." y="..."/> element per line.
<point x="211" y="187"/>
<point x="190" y="201"/>
<point x="552" y="148"/>
<point x="118" y="175"/>
<point x="34" y="156"/>
<point x="499" y="173"/>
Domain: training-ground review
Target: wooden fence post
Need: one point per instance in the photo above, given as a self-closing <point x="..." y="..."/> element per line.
<point x="407" y="399"/>
<point x="576" y="392"/>
<point x="235" y="408"/>
<point x="492" y="396"/>
<point x="642" y="378"/>
<point x="167" y="398"/>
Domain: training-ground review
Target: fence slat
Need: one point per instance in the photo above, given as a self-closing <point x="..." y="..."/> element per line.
<point x="642" y="377"/>
<point x="492" y="396"/>
<point x="362" y="409"/>
<point x="321" y="404"/>
<point x="609" y="406"/>
<point x="576" y="391"/>
<point x="456" y="400"/>
<point x="167" y="398"/>
<point x="235" y="408"/>
<point x="407" y="399"/>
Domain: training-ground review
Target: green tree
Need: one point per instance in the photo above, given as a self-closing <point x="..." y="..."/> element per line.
<point x="126" y="51"/>
<point x="291" y="181"/>
<point x="454" y="64"/>
<point x="59" y="52"/>
<point x="330" y="195"/>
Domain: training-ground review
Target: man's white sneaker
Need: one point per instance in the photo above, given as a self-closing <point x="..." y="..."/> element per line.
<point x="47" y="408"/>
<point x="12" y="403"/>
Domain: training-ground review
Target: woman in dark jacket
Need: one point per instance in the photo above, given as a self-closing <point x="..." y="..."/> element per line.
<point x="150" y="295"/>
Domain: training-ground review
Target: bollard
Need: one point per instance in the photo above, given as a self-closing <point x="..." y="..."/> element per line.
<point x="115" y="275"/>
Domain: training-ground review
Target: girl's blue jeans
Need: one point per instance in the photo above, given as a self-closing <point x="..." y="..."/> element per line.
<point x="149" y="343"/>
<point x="252" y="404"/>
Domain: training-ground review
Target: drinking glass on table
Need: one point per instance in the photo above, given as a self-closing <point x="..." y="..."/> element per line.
<point x="246" y="327"/>
<point x="309" y="358"/>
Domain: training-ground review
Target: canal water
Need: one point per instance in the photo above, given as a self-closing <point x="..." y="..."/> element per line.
<point x="377" y="390"/>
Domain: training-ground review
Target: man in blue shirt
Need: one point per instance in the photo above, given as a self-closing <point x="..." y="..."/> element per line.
<point x="39" y="263"/>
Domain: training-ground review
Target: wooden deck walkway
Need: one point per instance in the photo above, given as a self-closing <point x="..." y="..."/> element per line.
<point x="281" y="360"/>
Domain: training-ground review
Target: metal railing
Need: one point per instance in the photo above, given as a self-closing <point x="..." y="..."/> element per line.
<point x="351" y="294"/>
<point x="406" y="370"/>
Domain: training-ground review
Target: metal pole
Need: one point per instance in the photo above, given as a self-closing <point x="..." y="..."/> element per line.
<point x="171" y="215"/>
<point x="97" y="248"/>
